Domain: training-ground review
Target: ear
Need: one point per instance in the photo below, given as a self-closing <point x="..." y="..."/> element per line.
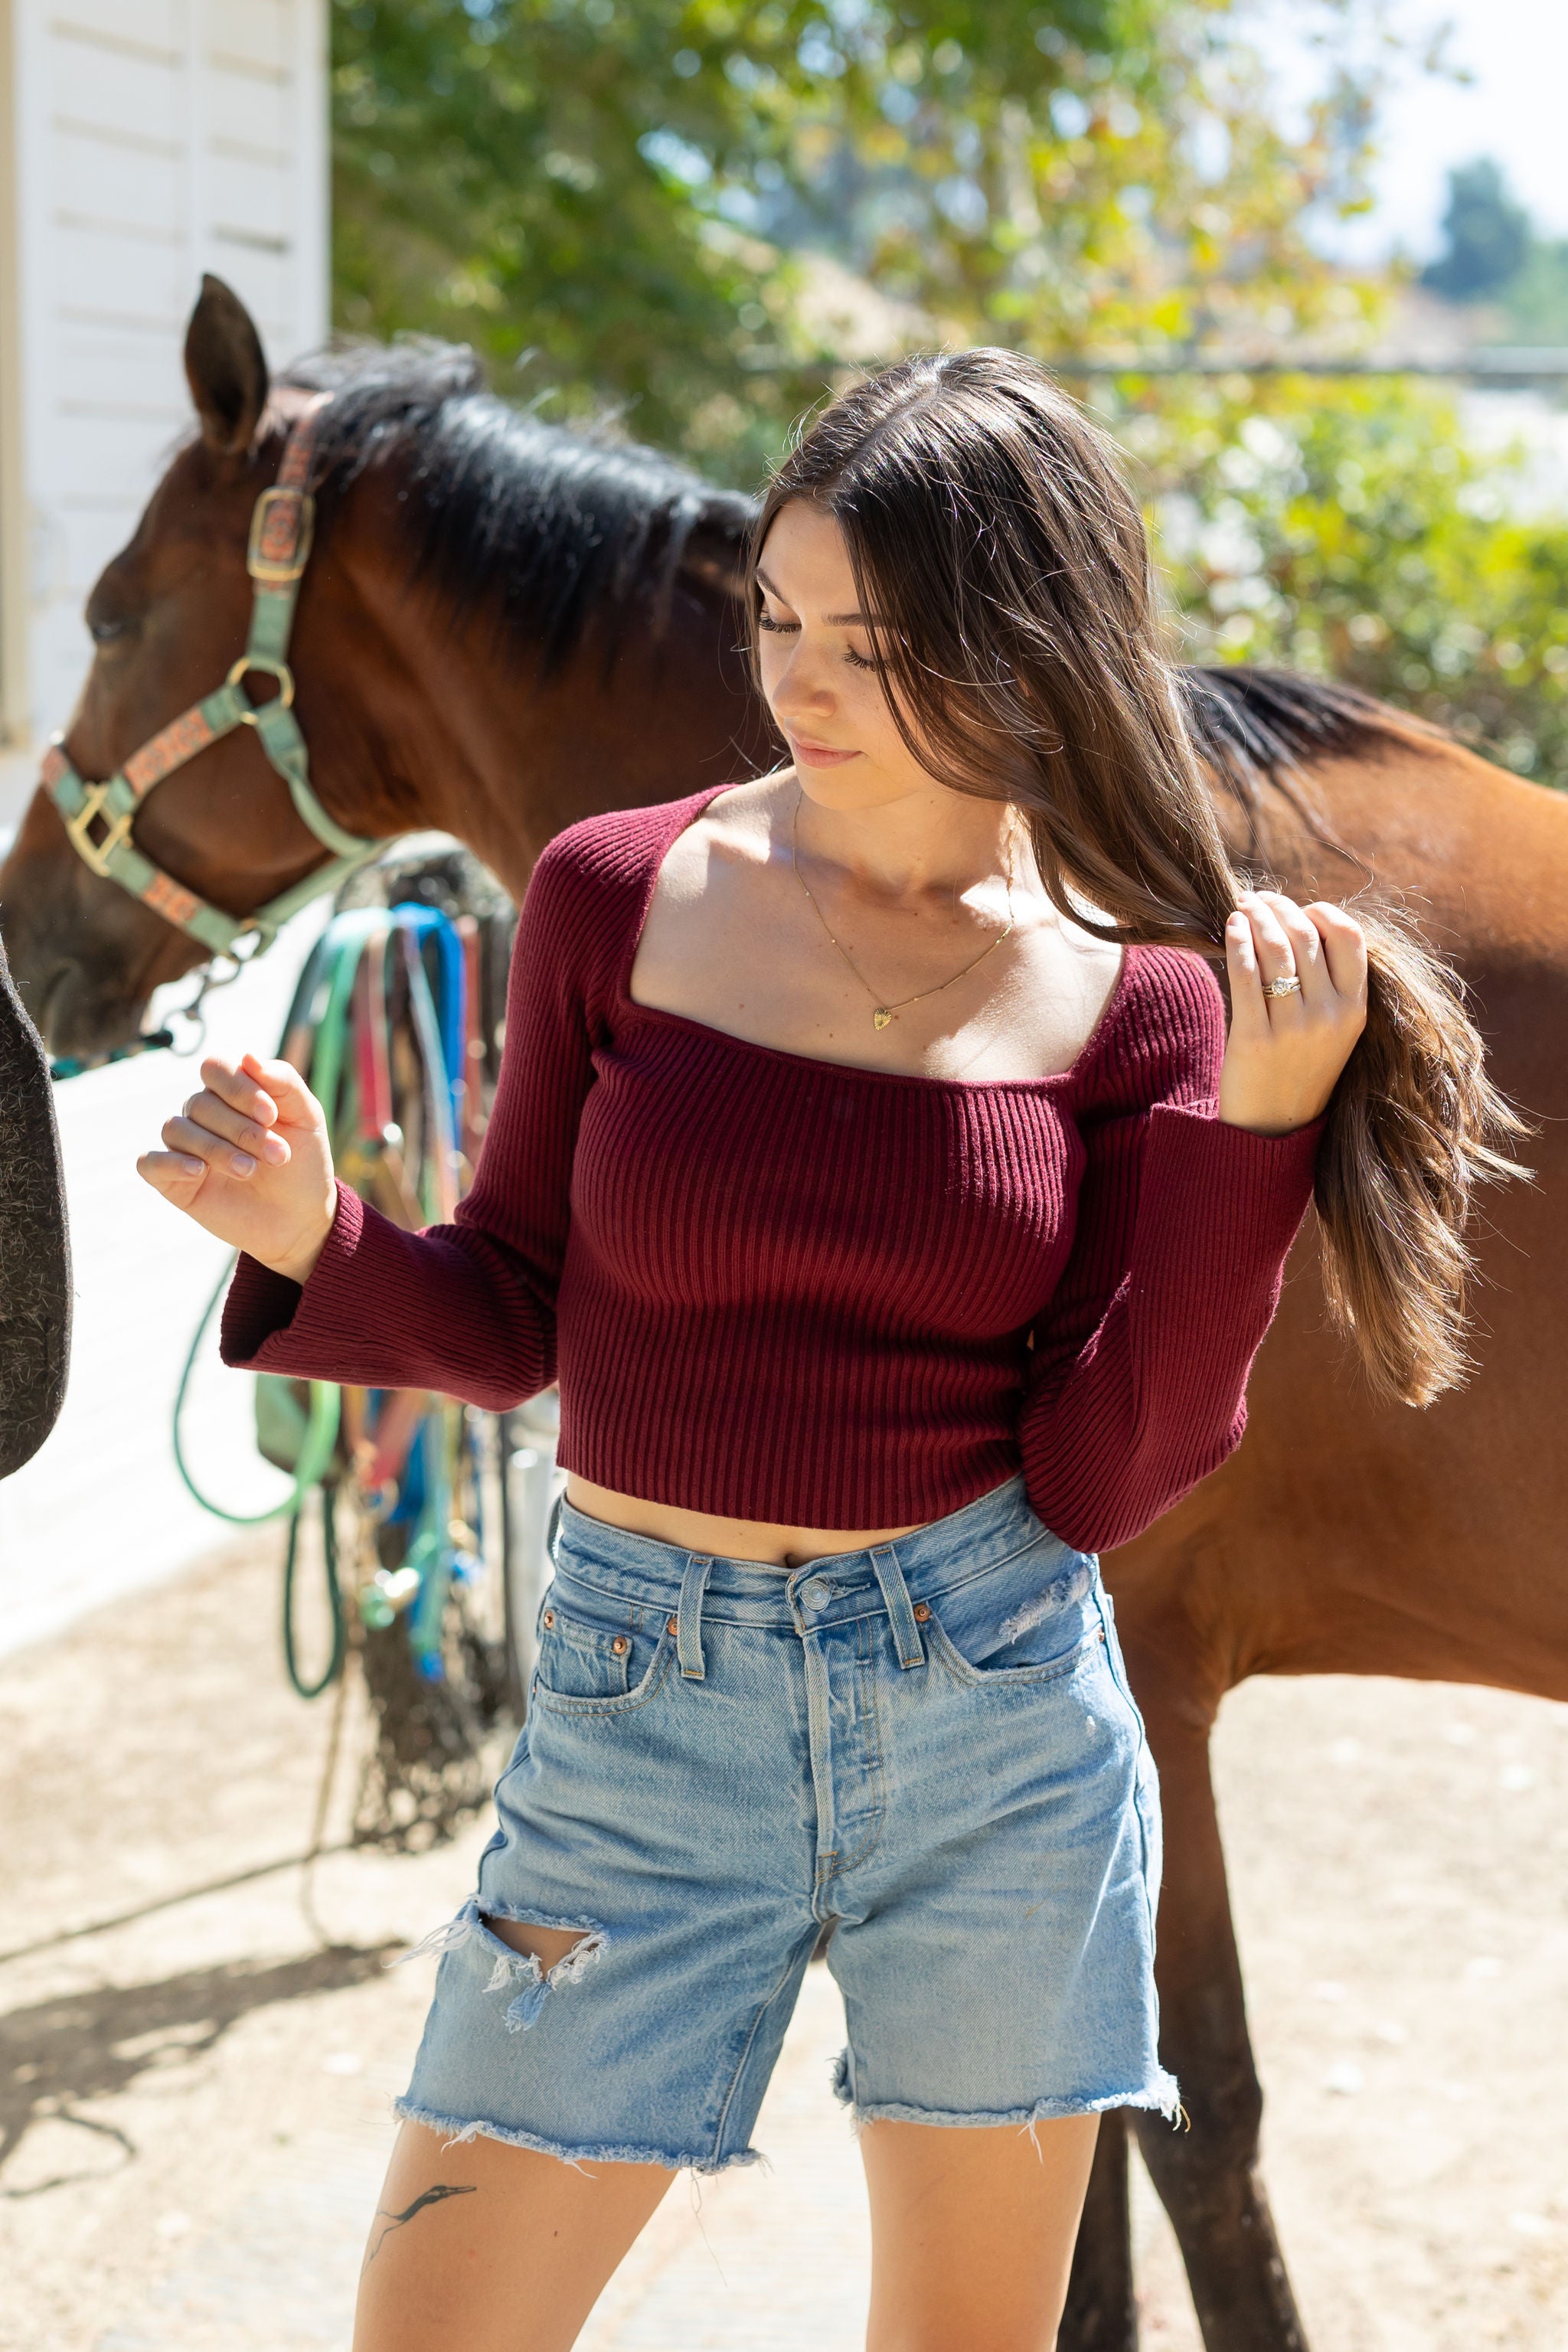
<point x="715" y="558"/>
<point x="226" y="369"/>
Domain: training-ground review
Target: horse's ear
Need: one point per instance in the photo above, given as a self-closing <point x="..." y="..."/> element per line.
<point x="716" y="558"/>
<point x="226" y="369"/>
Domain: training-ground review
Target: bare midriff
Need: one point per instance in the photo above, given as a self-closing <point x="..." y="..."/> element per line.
<point x="720" y="1539"/>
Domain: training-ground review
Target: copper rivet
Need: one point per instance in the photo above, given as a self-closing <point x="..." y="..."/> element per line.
<point x="922" y="1612"/>
<point x="620" y="1646"/>
<point x="549" y="1616"/>
<point x="672" y="1627"/>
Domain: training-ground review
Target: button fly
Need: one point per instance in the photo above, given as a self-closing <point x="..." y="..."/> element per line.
<point x="816" y="1592"/>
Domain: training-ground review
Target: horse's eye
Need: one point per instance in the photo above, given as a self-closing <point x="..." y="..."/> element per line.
<point x="104" y="627"/>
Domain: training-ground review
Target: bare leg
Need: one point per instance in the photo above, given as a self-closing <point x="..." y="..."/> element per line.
<point x="972" y="2233"/>
<point x="489" y="2248"/>
<point x="1101" y="2314"/>
<point x="492" y="2248"/>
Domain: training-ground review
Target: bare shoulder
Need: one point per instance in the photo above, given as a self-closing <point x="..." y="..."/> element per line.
<point x="1080" y="969"/>
<point x="734" y="834"/>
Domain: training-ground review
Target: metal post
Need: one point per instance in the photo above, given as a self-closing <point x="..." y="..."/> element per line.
<point x="533" y="1482"/>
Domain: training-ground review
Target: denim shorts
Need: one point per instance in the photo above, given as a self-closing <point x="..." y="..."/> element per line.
<point x="925" y="1755"/>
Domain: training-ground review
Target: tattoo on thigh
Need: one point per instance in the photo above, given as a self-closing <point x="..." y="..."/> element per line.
<point x="431" y="2196"/>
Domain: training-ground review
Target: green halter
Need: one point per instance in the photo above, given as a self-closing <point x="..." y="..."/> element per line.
<point x="99" y="817"/>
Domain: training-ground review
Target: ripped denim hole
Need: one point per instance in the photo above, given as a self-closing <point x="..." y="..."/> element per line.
<point x="1061" y="1594"/>
<point x="534" y="1982"/>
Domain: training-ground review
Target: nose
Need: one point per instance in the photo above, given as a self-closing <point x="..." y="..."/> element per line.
<point x="803" y="687"/>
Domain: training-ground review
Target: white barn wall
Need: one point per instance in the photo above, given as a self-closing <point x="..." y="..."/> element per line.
<point x="142" y="141"/>
<point x="148" y="140"/>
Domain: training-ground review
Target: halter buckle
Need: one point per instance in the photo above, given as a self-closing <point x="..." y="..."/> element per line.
<point x="283" y="524"/>
<point x="97" y="854"/>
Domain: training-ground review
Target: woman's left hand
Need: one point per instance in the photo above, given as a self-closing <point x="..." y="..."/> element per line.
<point x="1284" y="1052"/>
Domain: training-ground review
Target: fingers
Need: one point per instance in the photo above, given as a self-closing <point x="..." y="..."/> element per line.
<point x="1289" y="944"/>
<point x="190" y="1141"/>
<point x="265" y="1093"/>
<point x="178" y="1175"/>
<point x="1248" y="1012"/>
<point x="279" y="1084"/>
<point x="1344" y="950"/>
<point x="1268" y="939"/>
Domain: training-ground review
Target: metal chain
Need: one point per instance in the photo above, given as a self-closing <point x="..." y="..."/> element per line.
<point x="883" y="1013"/>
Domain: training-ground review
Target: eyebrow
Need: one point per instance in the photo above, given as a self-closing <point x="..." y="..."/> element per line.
<point x="834" y="620"/>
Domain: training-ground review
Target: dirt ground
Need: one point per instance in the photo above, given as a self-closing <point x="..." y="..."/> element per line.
<point x="193" y="2103"/>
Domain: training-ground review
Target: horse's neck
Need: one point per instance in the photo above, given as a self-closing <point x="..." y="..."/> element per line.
<point x="449" y="729"/>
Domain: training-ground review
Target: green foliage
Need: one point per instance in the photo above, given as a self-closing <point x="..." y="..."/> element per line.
<point x="593" y="181"/>
<point x="1351" y="531"/>
<point x="1535" y="300"/>
<point x="634" y="198"/>
<point x="626" y="188"/>
<point x="1492" y="254"/>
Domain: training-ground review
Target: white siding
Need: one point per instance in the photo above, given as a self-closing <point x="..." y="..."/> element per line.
<point x="149" y="140"/>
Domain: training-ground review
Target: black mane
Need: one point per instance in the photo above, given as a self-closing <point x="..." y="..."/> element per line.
<point x="549" y="526"/>
<point x="545" y="526"/>
<point x="1256" y="726"/>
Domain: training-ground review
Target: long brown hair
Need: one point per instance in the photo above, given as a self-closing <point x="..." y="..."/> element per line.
<point x="1002" y="567"/>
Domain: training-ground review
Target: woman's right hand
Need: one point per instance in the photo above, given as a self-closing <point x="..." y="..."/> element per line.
<point x="249" y="1159"/>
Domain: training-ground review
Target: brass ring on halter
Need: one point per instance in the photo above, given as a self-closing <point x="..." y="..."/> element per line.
<point x="265" y="663"/>
<point x="1289" y="986"/>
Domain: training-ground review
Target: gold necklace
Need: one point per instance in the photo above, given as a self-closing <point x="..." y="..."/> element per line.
<point x="883" y="1013"/>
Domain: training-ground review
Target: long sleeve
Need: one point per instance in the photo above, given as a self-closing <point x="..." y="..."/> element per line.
<point x="466" y="1308"/>
<point x="1139" y="1378"/>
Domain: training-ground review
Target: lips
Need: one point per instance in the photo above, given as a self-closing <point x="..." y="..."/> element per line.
<point x="819" y="755"/>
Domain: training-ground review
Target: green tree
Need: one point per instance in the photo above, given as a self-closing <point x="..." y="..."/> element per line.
<point x="1350" y="532"/>
<point x="602" y="184"/>
<point x="1488" y="235"/>
<point x="629" y="189"/>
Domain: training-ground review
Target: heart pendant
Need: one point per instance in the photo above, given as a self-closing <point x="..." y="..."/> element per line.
<point x="881" y="1017"/>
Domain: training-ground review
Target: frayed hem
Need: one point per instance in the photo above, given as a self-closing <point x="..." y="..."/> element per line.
<point x="1162" y="2096"/>
<point x="455" y="2131"/>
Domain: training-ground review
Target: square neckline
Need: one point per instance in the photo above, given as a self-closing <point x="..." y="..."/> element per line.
<point x="690" y="811"/>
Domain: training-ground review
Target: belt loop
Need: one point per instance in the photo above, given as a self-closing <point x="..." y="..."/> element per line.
<point x="552" y="1528"/>
<point x="901" y="1615"/>
<point x="688" y="1617"/>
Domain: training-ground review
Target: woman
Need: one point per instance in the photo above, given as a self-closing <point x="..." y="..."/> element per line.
<point x="873" y="1167"/>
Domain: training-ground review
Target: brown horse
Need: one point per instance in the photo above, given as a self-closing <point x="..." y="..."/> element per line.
<point x="504" y="628"/>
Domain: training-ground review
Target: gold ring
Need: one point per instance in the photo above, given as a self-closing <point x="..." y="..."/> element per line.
<point x="1289" y="986"/>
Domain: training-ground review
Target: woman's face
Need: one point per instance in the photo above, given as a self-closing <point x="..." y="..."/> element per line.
<point x="817" y="673"/>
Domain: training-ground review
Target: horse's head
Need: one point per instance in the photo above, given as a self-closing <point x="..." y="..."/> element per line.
<point x="167" y="618"/>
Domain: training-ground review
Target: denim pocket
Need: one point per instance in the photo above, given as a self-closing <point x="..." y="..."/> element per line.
<point x="578" y="1660"/>
<point x="1027" y="1620"/>
<point x="586" y="1667"/>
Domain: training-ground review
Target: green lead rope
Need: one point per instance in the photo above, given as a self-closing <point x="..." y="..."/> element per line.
<point x="316" y="1449"/>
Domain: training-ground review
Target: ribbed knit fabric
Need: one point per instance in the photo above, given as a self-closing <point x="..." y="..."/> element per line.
<point x="780" y="1289"/>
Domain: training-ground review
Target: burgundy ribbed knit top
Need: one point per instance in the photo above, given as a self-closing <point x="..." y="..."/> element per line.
<point x="782" y="1289"/>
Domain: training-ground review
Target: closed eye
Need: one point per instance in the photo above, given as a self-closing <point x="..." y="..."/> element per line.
<point x="791" y="629"/>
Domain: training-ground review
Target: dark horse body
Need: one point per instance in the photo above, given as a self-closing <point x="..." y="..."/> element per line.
<point x="35" y="1255"/>
<point x="1342" y="1538"/>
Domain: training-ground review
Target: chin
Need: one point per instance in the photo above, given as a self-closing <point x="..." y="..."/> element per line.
<point x="857" y="785"/>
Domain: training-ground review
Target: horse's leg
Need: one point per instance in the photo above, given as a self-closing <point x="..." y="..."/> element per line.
<point x="1208" y="2176"/>
<point x="1101" y="2315"/>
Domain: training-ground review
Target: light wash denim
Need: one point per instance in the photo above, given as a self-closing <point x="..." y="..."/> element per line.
<point x="927" y="1753"/>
